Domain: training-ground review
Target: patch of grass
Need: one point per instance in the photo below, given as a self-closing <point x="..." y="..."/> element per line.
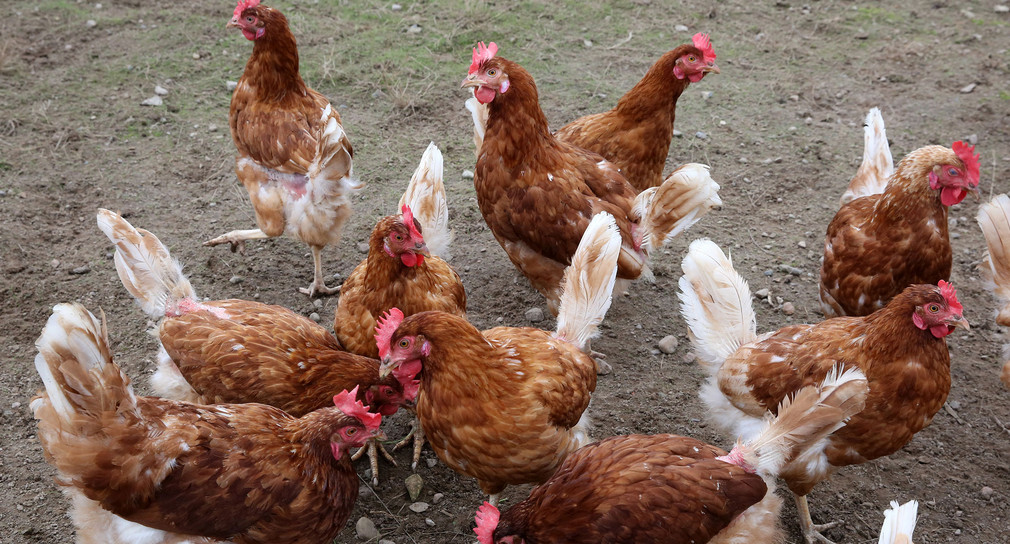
<point x="878" y="15"/>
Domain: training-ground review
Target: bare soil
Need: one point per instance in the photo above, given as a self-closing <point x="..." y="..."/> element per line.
<point x="781" y="130"/>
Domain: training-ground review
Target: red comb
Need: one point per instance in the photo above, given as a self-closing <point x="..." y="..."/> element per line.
<point x="244" y="5"/>
<point x="487" y="520"/>
<point x="385" y="328"/>
<point x="408" y="218"/>
<point x="702" y="42"/>
<point x="482" y="54"/>
<point x="967" y="155"/>
<point x="348" y="403"/>
<point x="948" y="292"/>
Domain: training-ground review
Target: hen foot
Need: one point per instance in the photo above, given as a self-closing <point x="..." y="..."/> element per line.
<point x="373" y="448"/>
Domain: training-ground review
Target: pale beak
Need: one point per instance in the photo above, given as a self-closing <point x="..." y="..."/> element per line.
<point x="379" y="435"/>
<point x="974" y="190"/>
<point x="422" y="248"/>
<point x="233" y="23"/>
<point x="711" y="68"/>
<point x="385" y="367"/>
<point x="471" y="81"/>
<point x="958" y="321"/>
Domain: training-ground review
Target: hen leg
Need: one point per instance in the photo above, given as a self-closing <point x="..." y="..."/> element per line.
<point x="417" y="433"/>
<point x="237" y="239"/>
<point x="373" y="448"/>
<point x="318" y="286"/>
<point x="602" y="366"/>
<point x="811" y="532"/>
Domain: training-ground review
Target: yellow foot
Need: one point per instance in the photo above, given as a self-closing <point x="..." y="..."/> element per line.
<point x="417" y="433"/>
<point x="373" y="448"/>
<point x="319" y="289"/>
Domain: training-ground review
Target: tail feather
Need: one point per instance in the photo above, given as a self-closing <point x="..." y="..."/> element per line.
<point x="145" y="266"/>
<point x="334" y="155"/>
<point x="686" y="195"/>
<point x="899" y="523"/>
<point x="994" y="219"/>
<point x="877" y="165"/>
<point x="75" y="364"/>
<point x="807" y="418"/>
<point x="426" y="197"/>
<point x="716" y="303"/>
<point x="589" y="281"/>
<point x="479" y="112"/>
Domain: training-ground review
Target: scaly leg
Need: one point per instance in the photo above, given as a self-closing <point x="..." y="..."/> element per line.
<point x="811" y="532"/>
<point x="417" y="433"/>
<point x="493" y="499"/>
<point x="373" y="447"/>
<point x="318" y="286"/>
<point x="602" y="366"/>
<point x="237" y="239"/>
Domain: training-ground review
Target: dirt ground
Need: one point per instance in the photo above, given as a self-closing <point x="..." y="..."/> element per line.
<point x="780" y="126"/>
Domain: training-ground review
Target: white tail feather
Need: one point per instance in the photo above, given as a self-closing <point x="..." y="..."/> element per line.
<point x="426" y="197"/>
<point x="877" y="166"/>
<point x="333" y="160"/>
<point x="479" y="113"/>
<point x="74" y="354"/>
<point x="899" y="523"/>
<point x="812" y="414"/>
<point x="145" y="266"/>
<point x="589" y="281"/>
<point x="716" y="303"/>
<point x="994" y="220"/>
<point x="687" y="194"/>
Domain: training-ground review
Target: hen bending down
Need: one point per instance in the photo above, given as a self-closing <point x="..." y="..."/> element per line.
<point x="506" y="405"/>
<point x="538" y="193"/>
<point x="159" y="471"/>
<point x="891" y="231"/>
<point x="294" y="158"/>
<point x="674" y="489"/>
<point x="238" y="351"/>
<point x="901" y="349"/>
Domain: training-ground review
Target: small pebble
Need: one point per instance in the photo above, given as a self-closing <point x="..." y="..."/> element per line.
<point x="318" y="303"/>
<point x="987" y="492"/>
<point x="1000" y="8"/>
<point x="211" y="128"/>
<point x="418" y="507"/>
<point x="802" y="244"/>
<point x="769" y="272"/>
<point x="384" y="541"/>
<point x="788" y="308"/>
<point x="534" y="315"/>
<point x="705" y="95"/>
<point x="91" y="23"/>
<point x="435" y="499"/>
<point x="429" y="522"/>
<point x="414" y="29"/>
<point x="677" y="133"/>
<point x="230" y="85"/>
<point x="55" y="263"/>
<point x="81" y="270"/>
<point x="314" y="317"/>
<point x="972" y="139"/>
<point x="414" y="484"/>
<point x="467" y="174"/>
<point x="365" y="529"/>
<point x="196" y="56"/>
<point x="680" y="28"/>
<point x="160" y="91"/>
<point x="587" y="43"/>
<point x="153" y="101"/>
<point x="701" y="135"/>
<point x="396" y="7"/>
<point x="668" y="344"/>
<point x="761" y="293"/>
<point x="15" y="405"/>
<point x="743" y="160"/>
<point x="235" y="280"/>
<point x="431" y="462"/>
<point x="968" y="88"/>
<point x="689" y="357"/>
<point x="362" y="247"/>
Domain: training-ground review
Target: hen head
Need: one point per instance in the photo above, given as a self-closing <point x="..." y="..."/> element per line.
<point x="697" y="60"/>
<point x="400" y="351"/>
<point x="940" y="313"/>
<point x="249" y="18"/>
<point x="385" y="398"/>
<point x="956" y="178"/>
<point x="487" y="73"/>
<point x="361" y="426"/>
<point x="405" y="241"/>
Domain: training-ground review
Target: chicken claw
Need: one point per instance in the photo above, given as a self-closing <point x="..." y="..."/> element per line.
<point x="811" y="532"/>
<point x="417" y="433"/>
<point x="237" y="239"/>
<point x="318" y="286"/>
<point x="373" y="448"/>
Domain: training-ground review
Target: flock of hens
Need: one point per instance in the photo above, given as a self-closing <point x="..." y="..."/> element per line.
<point x="260" y="408"/>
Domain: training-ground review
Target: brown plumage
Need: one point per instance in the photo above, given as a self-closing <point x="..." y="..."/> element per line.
<point x="538" y="193"/>
<point x="294" y="158"/>
<point x="635" y="135"/>
<point x="878" y="244"/>
<point x="506" y="405"/>
<point x="901" y="349"/>
<point x="265" y="475"/>
<point x="674" y="489"/>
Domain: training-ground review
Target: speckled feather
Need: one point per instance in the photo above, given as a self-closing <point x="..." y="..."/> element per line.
<point x="630" y="489"/>
<point x="267" y="354"/>
<point x="635" y="135"/>
<point x="381" y="282"/>
<point x="501" y="405"/>
<point x="877" y="245"/>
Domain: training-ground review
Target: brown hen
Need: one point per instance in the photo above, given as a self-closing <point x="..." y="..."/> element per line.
<point x="152" y="470"/>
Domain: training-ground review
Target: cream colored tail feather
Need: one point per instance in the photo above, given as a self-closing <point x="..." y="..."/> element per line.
<point x="994" y="220"/>
<point x="716" y="303"/>
<point x="899" y="523"/>
<point x="145" y="266"/>
<point x="426" y="197"/>
<point x="686" y="195"/>
<point x="589" y="281"/>
<point x="877" y="166"/>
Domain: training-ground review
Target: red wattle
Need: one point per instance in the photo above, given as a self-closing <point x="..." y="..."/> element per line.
<point x="409" y="259"/>
<point x="484" y="94"/>
<point x="952" y="195"/>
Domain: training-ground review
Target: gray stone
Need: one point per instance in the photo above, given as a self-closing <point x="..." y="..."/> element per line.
<point x="968" y="88"/>
<point x="701" y="135"/>
<point x="436" y="498"/>
<point x="234" y="280"/>
<point x="230" y="85"/>
<point x="788" y="308"/>
<point x="418" y="507"/>
<point x="414" y="483"/>
<point x="668" y="344"/>
<point x="467" y="174"/>
<point x="160" y="91"/>
<point x="81" y="270"/>
<point x="314" y="317"/>
<point x="534" y="315"/>
<point x="987" y="492"/>
<point x="365" y="529"/>
<point x="153" y="101"/>
<point x="362" y="247"/>
<point x="680" y="28"/>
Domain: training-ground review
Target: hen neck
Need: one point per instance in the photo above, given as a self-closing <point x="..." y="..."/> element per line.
<point x="272" y="69"/>
<point x="516" y="123"/>
<point x="654" y="97"/>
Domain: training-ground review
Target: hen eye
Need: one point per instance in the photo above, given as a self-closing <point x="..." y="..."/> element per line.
<point x="352" y="431"/>
<point x="692" y="58"/>
<point x="250" y="19"/>
<point x="934" y="308"/>
<point x="404" y="343"/>
<point x="952" y="172"/>
<point x="492" y="72"/>
<point x="398" y="236"/>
